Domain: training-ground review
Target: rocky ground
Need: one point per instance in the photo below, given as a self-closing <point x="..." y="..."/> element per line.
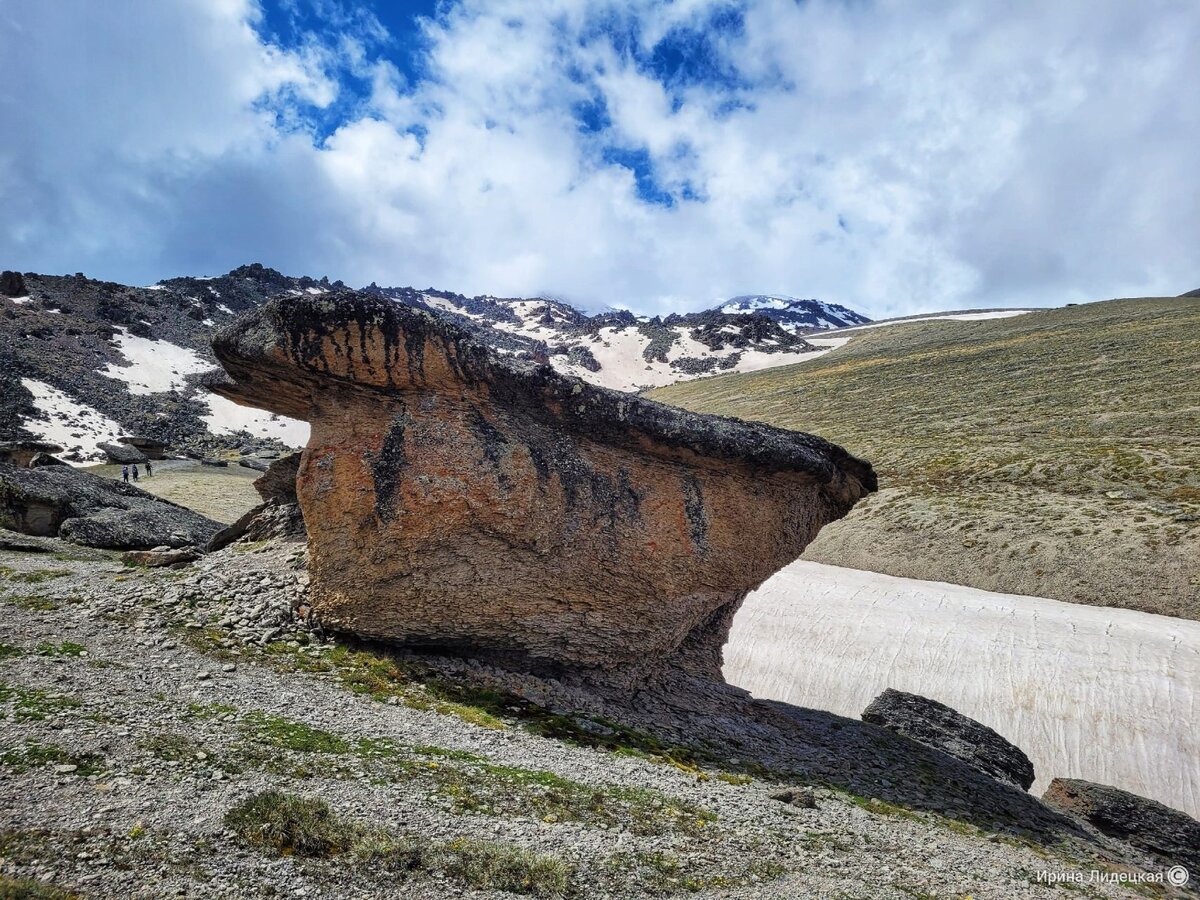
<point x="147" y="712"/>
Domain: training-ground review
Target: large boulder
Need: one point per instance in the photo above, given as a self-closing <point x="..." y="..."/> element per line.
<point x="1144" y="823"/>
<point x="942" y="728"/>
<point x="12" y="284"/>
<point x="59" y="501"/>
<point x="466" y="501"/>
<point x="149" y="447"/>
<point x="22" y="453"/>
<point x="122" y="454"/>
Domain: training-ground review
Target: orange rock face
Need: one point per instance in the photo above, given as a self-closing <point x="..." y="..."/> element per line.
<point x="459" y="500"/>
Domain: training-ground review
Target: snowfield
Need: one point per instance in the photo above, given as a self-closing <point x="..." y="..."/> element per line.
<point x="154" y="366"/>
<point x="1109" y="695"/>
<point x="69" y="423"/>
<point x="227" y="417"/>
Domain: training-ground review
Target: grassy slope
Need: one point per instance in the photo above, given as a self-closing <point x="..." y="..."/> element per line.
<point x="1055" y="453"/>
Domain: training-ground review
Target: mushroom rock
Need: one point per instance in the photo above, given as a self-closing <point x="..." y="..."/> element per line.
<point x="460" y="500"/>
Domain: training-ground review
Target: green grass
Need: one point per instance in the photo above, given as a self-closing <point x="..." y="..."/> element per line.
<point x="33" y="755"/>
<point x="10" y="651"/>
<point x="292" y="825"/>
<point x="37" y="576"/>
<point x="32" y="704"/>
<point x="28" y="889"/>
<point x="34" y="602"/>
<point x="66" y="648"/>
<point x="1011" y="451"/>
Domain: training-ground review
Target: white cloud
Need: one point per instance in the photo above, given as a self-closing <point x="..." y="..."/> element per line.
<point x="894" y="156"/>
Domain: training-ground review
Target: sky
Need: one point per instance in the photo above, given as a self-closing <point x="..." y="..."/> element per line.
<point x="896" y="156"/>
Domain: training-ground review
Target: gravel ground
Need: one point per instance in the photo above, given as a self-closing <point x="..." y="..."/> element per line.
<point x="140" y="706"/>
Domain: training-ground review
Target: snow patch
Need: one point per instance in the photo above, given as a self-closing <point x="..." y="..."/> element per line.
<point x="68" y="422"/>
<point x="20" y="301"/>
<point x="1109" y="695"/>
<point x="227" y="417"/>
<point x="155" y="366"/>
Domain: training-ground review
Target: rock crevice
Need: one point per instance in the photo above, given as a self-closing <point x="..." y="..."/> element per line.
<point x="462" y="500"/>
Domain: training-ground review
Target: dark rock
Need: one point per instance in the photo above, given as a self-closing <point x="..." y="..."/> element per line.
<point x="85" y="509"/>
<point x="215" y="463"/>
<point x="942" y="728"/>
<point x="798" y="797"/>
<point x="12" y="284"/>
<point x="16" y="545"/>
<point x="157" y="558"/>
<point x="279" y="481"/>
<point x="451" y="491"/>
<point x="122" y="454"/>
<point x="22" y="453"/>
<point x="257" y="465"/>
<point x="44" y="459"/>
<point x="151" y="448"/>
<point x="1144" y="823"/>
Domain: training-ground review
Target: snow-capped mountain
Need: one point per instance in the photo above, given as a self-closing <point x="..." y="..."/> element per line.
<point x="795" y="314"/>
<point x="620" y="350"/>
<point x="83" y="361"/>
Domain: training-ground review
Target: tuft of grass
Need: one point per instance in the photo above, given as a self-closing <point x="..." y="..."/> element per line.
<point x="34" y="602"/>
<point x="66" y="648"/>
<point x="28" y="889"/>
<point x="31" y="704"/>
<point x="291" y="825"/>
<point x="38" y="576"/>
<point x="33" y="756"/>
<point x="289" y="735"/>
<point x="10" y="651"/>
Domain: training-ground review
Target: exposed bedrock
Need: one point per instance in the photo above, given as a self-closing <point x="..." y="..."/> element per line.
<point x="462" y="500"/>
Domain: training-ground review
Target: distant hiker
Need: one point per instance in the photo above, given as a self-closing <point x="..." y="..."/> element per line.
<point x="148" y="472"/>
<point x="135" y="472"/>
<point x="124" y="473"/>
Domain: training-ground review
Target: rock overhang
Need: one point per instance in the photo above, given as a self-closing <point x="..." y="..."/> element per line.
<point x="462" y="499"/>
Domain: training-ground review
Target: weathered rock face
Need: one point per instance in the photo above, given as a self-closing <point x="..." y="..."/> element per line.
<point x="12" y="284"/>
<point x="58" y="501"/>
<point x="937" y="725"/>
<point x="278" y="515"/>
<point x="460" y="500"/>
<point x="1144" y="823"/>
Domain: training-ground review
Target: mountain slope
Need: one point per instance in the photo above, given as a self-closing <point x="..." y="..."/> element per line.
<point x="1055" y="453"/>
<point x="794" y="314"/>
<point x="84" y="361"/>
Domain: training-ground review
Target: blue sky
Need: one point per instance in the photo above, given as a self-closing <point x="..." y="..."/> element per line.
<point x="893" y="155"/>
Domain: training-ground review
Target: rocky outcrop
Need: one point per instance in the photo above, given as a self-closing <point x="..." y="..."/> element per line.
<point x="463" y="500"/>
<point x="942" y="728"/>
<point x="59" y="501"/>
<point x="12" y="284"/>
<point x="22" y="453"/>
<point x="122" y="454"/>
<point x="1144" y="823"/>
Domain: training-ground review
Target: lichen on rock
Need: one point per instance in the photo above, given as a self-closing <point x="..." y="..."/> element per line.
<point x="461" y="500"/>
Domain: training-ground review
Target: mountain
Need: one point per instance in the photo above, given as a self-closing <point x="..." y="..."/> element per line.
<point x="796" y="315"/>
<point x="84" y="361"/>
<point x="1050" y="452"/>
<point x="620" y="350"/>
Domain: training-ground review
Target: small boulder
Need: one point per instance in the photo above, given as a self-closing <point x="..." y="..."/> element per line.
<point x="215" y="463"/>
<point x="160" y="556"/>
<point x="798" y="797"/>
<point x="942" y="728"/>
<point x="1139" y="821"/>
<point x="123" y="454"/>
<point x="249" y="462"/>
<point x="44" y="459"/>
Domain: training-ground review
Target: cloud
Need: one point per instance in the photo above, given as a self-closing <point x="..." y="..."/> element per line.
<point x="893" y="156"/>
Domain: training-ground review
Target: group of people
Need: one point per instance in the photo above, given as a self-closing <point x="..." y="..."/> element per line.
<point x="126" y="471"/>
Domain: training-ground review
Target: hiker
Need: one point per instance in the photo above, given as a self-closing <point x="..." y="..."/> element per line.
<point x="135" y="472"/>
<point x="125" y="473"/>
<point x="148" y="472"/>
